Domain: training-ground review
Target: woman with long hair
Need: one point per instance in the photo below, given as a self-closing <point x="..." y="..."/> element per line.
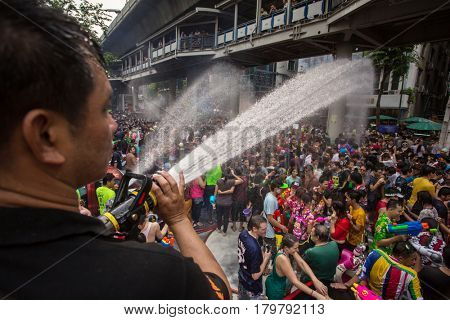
<point x="282" y="270"/>
<point x="339" y="223"/>
<point x="224" y="198"/>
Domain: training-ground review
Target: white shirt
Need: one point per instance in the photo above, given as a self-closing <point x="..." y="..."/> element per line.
<point x="335" y="157"/>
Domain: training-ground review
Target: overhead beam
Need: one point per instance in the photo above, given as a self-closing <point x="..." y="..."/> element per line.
<point x="318" y="45"/>
<point x="367" y="38"/>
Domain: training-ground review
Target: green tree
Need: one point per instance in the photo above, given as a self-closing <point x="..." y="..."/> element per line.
<point x="89" y="15"/>
<point x="110" y="58"/>
<point x="395" y="60"/>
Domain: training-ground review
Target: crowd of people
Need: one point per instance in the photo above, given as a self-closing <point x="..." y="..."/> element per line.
<point x="321" y="215"/>
<point x="330" y="212"/>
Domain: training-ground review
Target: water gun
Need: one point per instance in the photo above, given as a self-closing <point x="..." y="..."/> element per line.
<point x="321" y="219"/>
<point x="412" y="228"/>
<point x="364" y="293"/>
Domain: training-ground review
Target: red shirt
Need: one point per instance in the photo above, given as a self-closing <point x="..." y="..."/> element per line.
<point x="341" y="229"/>
<point x="280" y="218"/>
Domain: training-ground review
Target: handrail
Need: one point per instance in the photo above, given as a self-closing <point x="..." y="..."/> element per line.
<point x="271" y="22"/>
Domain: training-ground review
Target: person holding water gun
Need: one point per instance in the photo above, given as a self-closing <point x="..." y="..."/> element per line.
<point x="384" y="238"/>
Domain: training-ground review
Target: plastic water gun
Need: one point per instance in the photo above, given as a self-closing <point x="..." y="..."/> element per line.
<point x="364" y="293"/>
<point x="321" y="219"/>
<point x="412" y="228"/>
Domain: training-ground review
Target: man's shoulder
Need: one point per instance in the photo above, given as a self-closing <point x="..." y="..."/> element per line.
<point x="247" y="239"/>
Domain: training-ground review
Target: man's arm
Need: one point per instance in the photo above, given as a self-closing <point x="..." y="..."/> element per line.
<point x="389" y="241"/>
<point x="171" y="207"/>
<point x="226" y="192"/>
<point x="275" y="223"/>
<point x="238" y="180"/>
<point x="320" y="287"/>
<point x="262" y="267"/>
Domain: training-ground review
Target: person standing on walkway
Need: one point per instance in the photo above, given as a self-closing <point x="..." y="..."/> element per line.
<point x="212" y="176"/>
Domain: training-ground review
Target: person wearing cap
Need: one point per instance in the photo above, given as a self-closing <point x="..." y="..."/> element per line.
<point x="429" y="239"/>
<point x="382" y="239"/>
<point x="398" y="268"/>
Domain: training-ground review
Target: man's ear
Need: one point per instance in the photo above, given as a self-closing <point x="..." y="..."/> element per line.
<point x="41" y="130"/>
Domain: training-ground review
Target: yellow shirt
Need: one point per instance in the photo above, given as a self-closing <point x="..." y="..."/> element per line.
<point x="359" y="218"/>
<point x="421" y="184"/>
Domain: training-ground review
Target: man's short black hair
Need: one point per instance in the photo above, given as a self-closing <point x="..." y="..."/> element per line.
<point x="44" y="58"/>
<point x="405" y="169"/>
<point x="354" y="195"/>
<point x="107" y="178"/>
<point x="356" y="177"/>
<point x="424" y="197"/>
<point x="427" y="170"/>
<point x="393" y="204"/>
<point x="402" y="249"/>
<point x="444" y="191"/>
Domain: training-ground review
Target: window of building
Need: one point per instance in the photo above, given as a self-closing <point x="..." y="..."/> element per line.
<point x="376" y="83"/>
<point x="395" y="82"/>
<point x="386" y="84"/>
<point x="292" y="65"/>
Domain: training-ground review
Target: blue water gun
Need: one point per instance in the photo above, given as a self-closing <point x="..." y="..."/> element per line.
<point x="412" y="228"/>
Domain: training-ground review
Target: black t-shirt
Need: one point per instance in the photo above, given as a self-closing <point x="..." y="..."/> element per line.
<point x="117" y="159"/>
<point x="434" y="283"/>
<point x="54" y="254"/>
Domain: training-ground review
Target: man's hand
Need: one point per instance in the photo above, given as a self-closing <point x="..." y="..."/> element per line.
<point x="284" y="229"/>
<point x="338" y="286"/>
<point x="333" y="218"/>
<point x="267" y="255"/>
<point x="170" y="197"/>
<point x="401" y="237"/>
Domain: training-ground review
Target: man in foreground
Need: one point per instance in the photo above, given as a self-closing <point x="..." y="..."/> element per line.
<point x="57" y="96"/>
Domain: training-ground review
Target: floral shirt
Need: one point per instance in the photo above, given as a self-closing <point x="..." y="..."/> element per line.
<point x="301" y="220"/>
<point x="381" y="232"/>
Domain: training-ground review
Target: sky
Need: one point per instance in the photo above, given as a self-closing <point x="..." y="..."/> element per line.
<point x="109" y="4"/>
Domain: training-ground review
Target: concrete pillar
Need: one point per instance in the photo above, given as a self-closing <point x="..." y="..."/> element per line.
<point x="236" y="12"/>
<point x="444" y="140"/>
<point x="288" y="12"/>
<point x="235" y="94"/>
<point x="134" y="95"/>
<point x="216" y="30"/>
<point x="258" y="15"/>
<point x="336" y="112"/>
<point x="177" y="39"/>
<point x="172" y="90"/>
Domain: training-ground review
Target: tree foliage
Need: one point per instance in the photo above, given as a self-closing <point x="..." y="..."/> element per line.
<point x="89" y="15"/>
<point x="110" y="58"/>
<point x="395" y="60"/>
